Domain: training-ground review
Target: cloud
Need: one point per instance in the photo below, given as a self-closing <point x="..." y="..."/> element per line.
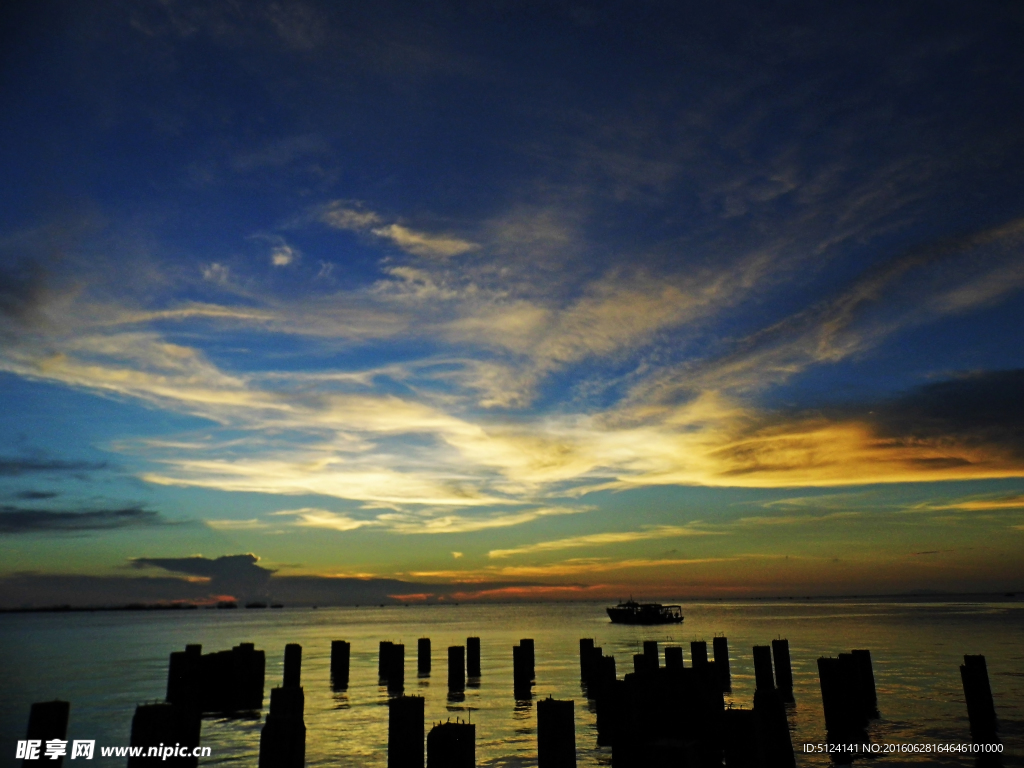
<point x="409" y="434"/>
<point x="817" y="501"/>
<point x="283" y="255"/>
<point x="977" y="409"/>
<point x="532" y="593"/>
<point x="773" y="520"/>
<point x="573" y="567"/>
<point x="35" y="495"/>
<point x="13" y="466"/>
<point x="340" y="215"/>
<point x="424" y="521"/>
<point x="230" y="574"/>
<point x="603" y="539"/>
<point x="944" y="277"/>
<point x="423" y="244"/>
<point x="413" y="523"/>
<point x="253" y="524"/>
<point x="216" y="272"/>
<point x="23" y="292"/>
<point x="309" y="517"/>
<point x="197" y="565"/>
<point x="1008" y="502"/>
<point x="16" y="520"/>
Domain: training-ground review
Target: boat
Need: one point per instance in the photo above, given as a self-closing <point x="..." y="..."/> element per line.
<point x="632" y="612"/>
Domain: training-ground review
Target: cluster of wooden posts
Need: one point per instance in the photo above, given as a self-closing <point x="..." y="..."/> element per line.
<point x="657" y="715"/>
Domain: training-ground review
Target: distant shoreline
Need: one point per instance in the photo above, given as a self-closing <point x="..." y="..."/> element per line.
<point x="920" y="597"/>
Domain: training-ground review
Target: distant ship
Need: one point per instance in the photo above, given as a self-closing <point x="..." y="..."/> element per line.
<point x="632" y="612"/>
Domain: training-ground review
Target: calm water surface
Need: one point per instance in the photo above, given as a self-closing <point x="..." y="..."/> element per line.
<point x="106" y="663"/>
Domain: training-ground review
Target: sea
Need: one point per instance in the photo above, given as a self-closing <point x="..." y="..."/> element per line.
<point x="107" y="662"/>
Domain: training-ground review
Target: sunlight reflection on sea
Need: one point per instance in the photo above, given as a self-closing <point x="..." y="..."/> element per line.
<point x="105" y="663"/>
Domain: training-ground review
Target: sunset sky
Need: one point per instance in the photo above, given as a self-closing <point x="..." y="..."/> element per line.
<point x="498" y="299"/>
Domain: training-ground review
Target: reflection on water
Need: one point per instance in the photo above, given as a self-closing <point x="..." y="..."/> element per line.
<point x="106" y="663"/>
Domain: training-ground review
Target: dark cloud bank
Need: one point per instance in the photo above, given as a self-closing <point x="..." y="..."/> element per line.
<point x="205" y="579"/>
<point x="17" y="465"/>
<point x="976" y="409"/>
<point x="15" y="520"/>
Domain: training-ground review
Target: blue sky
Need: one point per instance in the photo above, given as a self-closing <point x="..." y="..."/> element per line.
<point x="559" y="300"/>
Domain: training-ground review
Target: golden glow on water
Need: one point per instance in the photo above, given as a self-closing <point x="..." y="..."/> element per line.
<point x="106" y="663"/>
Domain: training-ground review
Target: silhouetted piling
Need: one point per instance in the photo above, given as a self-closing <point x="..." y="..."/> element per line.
<point x="341" y="653"/>
<point x="607" y="699"/>
<point x="834" y="703"/>
<point x="528" y="651"/>
<point x="396" y="668"/>
<point x="473" y="657"/>
<point x="283" y="739"/>
<point x="221" y="682"/>
<point x="47" y="720"/>
<point x="783" y="669"/>
<point x="593" y="669"/>
<point x="556" y="734"/>
<point x="164" y="725"/>
<point x="456" y="669"/>
<point x="383" y="659"/>
<point x="184" y="677"/>
<point x="292" y="665"/>
<point x="452" y="745"/>
<point x="866" y="672"/>
<point x="522" y="680"/>
<point x="763" y="676"/>
<point x="981" y="709"/>
<point x="698" y="653"/>
<point x="740" y="739"/>
<point x="673" y="657"/>
<point x="773" y="741"/>
<point x="842" y="700"/>
<point x="405" y="732"/>
<point x="720" y="646"/>
<point x="855" y="689"/>
<point x="423" y="656"/>
<point x="665" y="717"/>
<point x="640" y="663"/>
<point x="651" y="652"/>
<point x="586" y="658"/>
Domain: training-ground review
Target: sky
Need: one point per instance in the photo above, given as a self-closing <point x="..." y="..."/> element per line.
<point x="331" y="303"/>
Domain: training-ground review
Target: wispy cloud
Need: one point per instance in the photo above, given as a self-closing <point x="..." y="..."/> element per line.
<point x="422" y="521"/>
<point x="309" y="517"/>
<point x="771" y="520"/>
<point x="603" y="539"/>
<point x="948" y="276"/>
<point x="423" y="244"/>
<point x="990" y="503"/>
<point x="411" y="434"/>
<point x="252" y="524"/>
<point x="418" y="243"/>
<point x="572" y="567"/>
